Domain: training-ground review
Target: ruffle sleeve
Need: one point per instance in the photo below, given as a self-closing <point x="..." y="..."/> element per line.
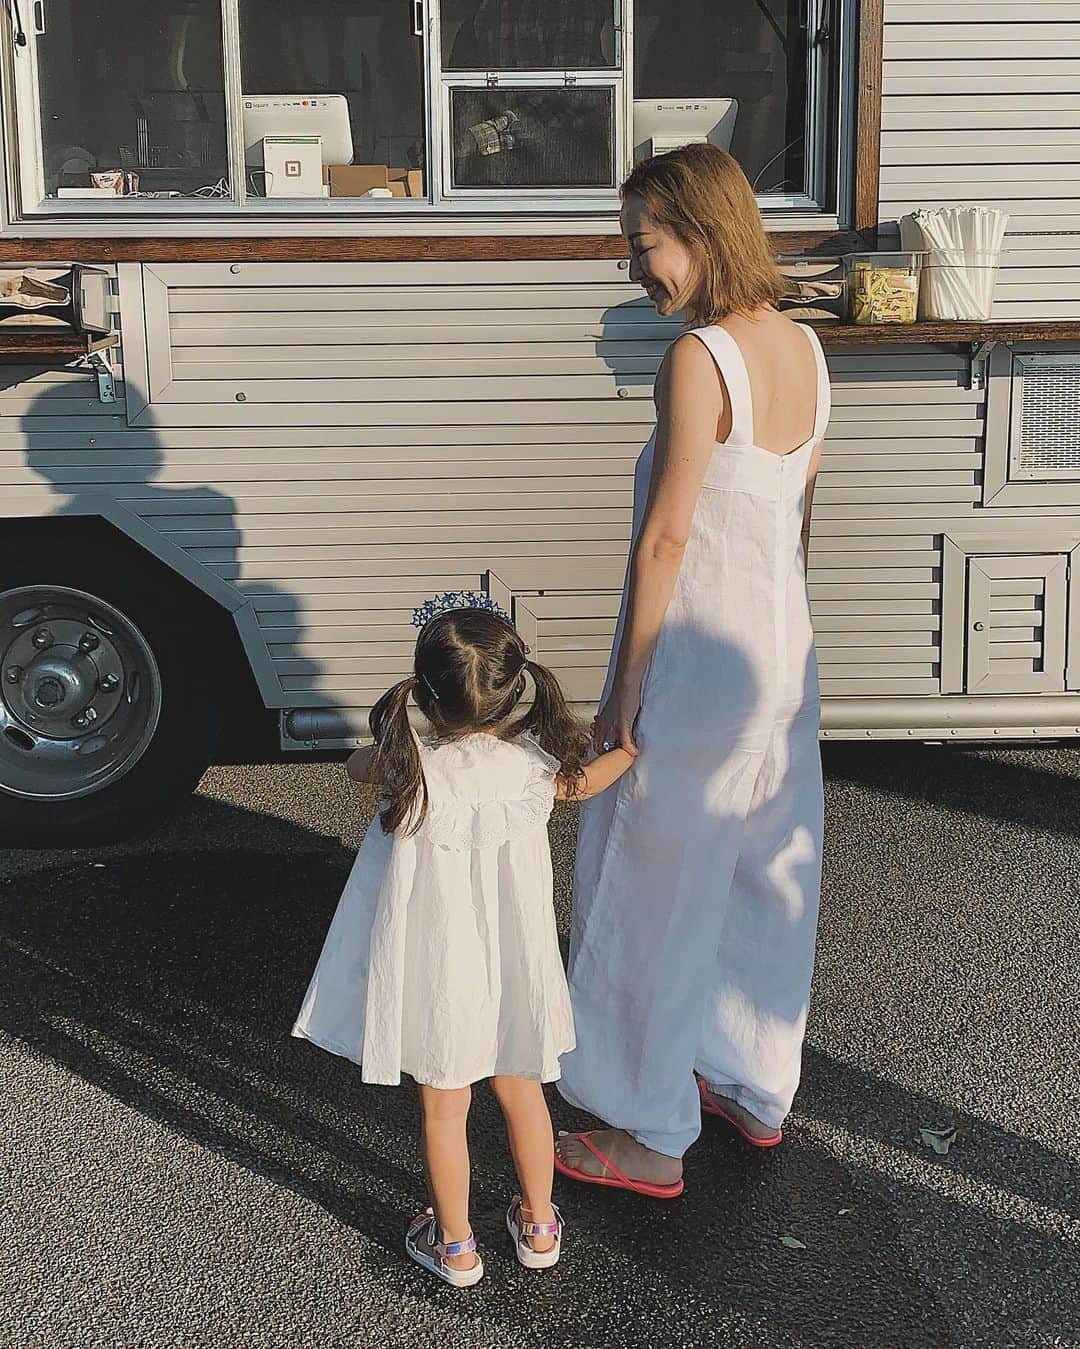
<point x="461" y="825"/>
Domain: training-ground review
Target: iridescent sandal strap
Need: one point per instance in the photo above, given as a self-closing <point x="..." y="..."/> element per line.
<point x="450" y="1248"/>
<point x="531" y="1229"/>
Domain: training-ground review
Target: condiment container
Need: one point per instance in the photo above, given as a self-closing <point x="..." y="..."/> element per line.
<point x="882" y="287"/>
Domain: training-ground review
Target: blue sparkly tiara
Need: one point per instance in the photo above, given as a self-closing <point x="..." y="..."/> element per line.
<point x="455" y="599"/>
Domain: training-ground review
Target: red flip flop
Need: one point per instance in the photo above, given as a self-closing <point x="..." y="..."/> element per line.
<point x="709" y="1106"/>
<point x="616" y="1180"/>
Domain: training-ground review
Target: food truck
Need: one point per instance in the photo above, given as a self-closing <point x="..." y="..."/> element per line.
<point x="309" y="311"/>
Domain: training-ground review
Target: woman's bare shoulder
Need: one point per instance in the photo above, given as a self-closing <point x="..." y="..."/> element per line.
<point x="687" y="366"/>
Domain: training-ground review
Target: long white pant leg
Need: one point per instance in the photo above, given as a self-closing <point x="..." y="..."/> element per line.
<point x="755" y="1011"/>
<point x="649" y="907"/>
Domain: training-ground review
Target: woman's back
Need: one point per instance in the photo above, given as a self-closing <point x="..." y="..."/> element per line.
<point x="782" y="369"/>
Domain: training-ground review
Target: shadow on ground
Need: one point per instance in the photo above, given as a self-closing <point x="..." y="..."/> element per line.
<point x="169" y="979"/>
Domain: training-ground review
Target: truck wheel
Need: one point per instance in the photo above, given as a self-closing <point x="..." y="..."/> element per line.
<point x="106" y="718"/>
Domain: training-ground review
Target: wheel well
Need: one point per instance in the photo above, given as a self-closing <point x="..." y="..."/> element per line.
<point x="248" y="728"/>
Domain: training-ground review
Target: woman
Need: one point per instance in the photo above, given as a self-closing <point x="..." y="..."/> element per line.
<point x="698" y="877"/>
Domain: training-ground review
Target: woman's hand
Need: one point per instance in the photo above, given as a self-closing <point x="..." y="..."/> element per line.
<point x="615" y="722"/>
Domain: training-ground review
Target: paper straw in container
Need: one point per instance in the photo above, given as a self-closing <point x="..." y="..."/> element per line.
<point x="962" y="250"/>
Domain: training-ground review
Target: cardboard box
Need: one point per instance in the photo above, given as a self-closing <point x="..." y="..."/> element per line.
<point x="411" y="179"/>
<point x="353" y="180"/>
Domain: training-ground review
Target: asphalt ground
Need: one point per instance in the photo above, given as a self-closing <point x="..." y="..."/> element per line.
<point x="176" y="1171"/>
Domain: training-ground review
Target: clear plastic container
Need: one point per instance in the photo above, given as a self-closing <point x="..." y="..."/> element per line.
<point x="882" y="287"/>
<point x="958" y="284"/>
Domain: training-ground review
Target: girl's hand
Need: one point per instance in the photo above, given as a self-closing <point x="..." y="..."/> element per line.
<point x="615" y="723"/>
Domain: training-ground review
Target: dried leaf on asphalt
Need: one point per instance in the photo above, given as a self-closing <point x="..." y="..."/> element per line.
<point x="793" y="1243"/>
<point x="941" y="1140"/>
<point x="843" y="1213"/>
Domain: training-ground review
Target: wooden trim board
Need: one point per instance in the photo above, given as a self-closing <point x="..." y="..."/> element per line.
<point x="397" y="248"/>
<point x="867" y="149"/>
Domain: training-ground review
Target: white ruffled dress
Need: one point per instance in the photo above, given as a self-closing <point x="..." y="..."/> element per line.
<point x="442" y="960"/>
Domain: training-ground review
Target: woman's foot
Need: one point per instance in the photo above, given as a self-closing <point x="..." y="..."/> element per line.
<point x="632" y="1158"/>
<point x="751" y="1128"/>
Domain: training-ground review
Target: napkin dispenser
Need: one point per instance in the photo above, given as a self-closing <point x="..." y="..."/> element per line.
<point x="77" y="297"/>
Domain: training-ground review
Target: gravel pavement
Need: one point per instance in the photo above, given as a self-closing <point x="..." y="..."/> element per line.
<point x="176" y="1171"/>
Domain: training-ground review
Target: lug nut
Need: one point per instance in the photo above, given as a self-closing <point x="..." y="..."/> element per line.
<point x="42" y="638"/>
<point x="89" y="641"/>
<point x="13" y="674"/>
<point x="109" y="682"/>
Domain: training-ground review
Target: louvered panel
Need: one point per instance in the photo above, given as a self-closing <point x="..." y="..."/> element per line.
<point x="996" y="662"/>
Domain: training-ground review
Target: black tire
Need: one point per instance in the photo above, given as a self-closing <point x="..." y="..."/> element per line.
<point x="173" y="622"/>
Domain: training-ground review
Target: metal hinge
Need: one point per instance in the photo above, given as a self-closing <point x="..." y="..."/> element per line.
<point x="492" y="80"/>
<point x="569" y="77"/>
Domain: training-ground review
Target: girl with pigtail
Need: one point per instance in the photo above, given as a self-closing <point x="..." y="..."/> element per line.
<point x="442" y="960"/>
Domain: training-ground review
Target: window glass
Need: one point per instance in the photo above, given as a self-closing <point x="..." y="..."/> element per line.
<point x="527" y="34"/>
<point x="132" y="98"/>
<point x="536" y="137"/>
<point x="753" y="51"/>
<point x="350" y="72"/>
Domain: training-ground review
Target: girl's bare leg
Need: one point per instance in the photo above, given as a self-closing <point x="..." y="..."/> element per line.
<point x="446" y="1162"/>
<point x="528" y="1125"/>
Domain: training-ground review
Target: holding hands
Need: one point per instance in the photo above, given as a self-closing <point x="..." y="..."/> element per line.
<point x="616" y="722"/>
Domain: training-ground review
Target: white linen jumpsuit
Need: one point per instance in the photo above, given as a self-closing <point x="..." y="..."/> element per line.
<point x="699" y="873"/>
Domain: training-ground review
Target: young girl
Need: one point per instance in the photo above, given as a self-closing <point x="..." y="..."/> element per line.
<point x="442" y="960"/>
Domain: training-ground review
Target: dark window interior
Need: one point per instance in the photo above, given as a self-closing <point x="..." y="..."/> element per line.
<point x="133" y="86"/>
<point x="527" y="34"/>
<point x="751" y="50"/>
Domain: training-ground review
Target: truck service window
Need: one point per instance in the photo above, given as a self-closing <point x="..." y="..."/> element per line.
<point x="204" y="108"/>
<point x="348" y="71"/>
<point x="131" y="99"/>
<point x="773" y="58"/>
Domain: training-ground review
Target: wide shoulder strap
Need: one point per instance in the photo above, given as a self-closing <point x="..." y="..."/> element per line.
<point x="823" y="408"/>
<point x="729" y="361"/>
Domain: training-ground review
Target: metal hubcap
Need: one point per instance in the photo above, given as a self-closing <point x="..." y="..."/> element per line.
<point x="80" y="695"/>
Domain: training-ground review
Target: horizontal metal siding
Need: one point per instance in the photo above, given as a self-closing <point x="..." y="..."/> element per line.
<point x="335" y="517"/>
<point x="981" y="105"/>
<point x="904" y="448"/>
<point x="497" y="412"/>
<point x="360" y="538"/>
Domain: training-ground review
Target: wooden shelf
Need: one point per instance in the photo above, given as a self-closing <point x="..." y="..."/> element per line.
<point x="40" y="344"/>
<point x="372" y="248"/>
<point x="945" y="334"/>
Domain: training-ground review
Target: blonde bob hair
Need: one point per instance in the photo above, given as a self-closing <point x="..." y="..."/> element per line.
<point x="701" y="195"/>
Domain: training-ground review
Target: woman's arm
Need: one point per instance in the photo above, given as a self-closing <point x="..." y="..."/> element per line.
<point x="598" y="776"/>
<point x="359" y="766"/>
<point x="811" y="481"/>
<point x="690" y="400"/>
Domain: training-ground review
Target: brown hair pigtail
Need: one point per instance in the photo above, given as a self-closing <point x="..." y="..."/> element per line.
<point x="556" y="729"/>
<point x="397" y="759"/>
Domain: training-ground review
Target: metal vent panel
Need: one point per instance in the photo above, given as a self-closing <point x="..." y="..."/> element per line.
<point x="1049" y="415"/>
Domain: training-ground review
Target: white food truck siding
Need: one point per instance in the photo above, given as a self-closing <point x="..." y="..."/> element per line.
<point x="298" y="452"/>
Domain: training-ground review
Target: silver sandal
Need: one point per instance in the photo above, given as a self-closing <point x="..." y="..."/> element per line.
<point x="521" y="1230"/>
<point x="422" y="1244"/>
